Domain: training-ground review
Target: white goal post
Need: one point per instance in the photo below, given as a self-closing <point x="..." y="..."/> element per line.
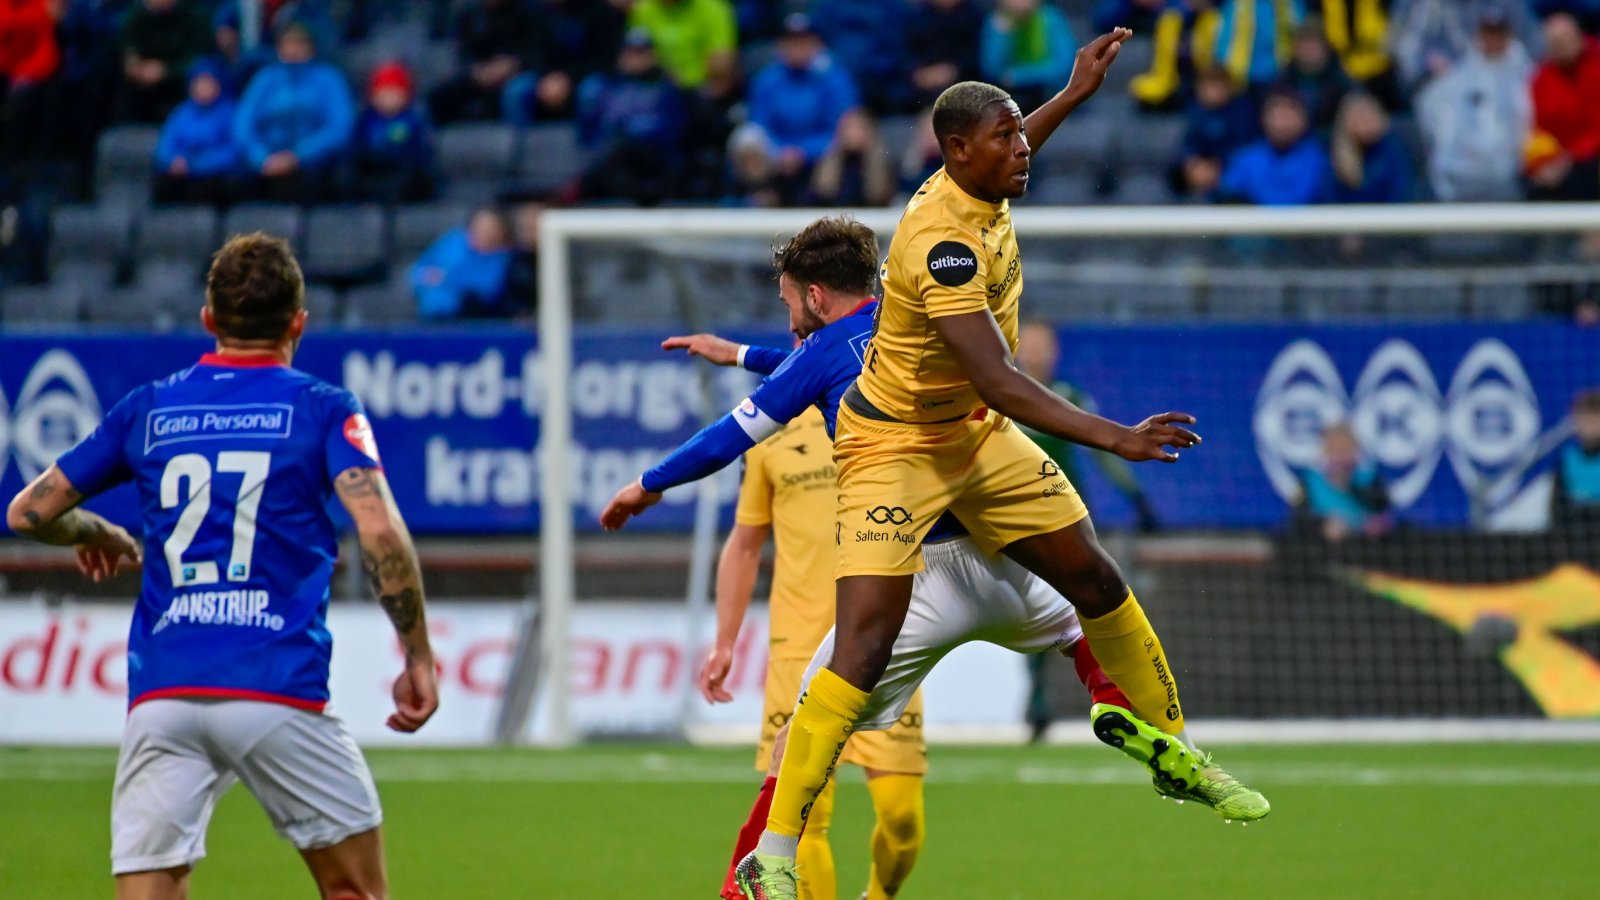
<point x="544" y="655"/>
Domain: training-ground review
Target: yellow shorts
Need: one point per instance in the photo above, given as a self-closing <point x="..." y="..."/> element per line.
<point x="901" y="749"/>
<point x="895" y="480"/>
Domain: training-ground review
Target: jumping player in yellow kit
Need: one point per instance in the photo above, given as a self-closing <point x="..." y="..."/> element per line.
<point x="789" y="491"/>
<point x="928" y="428"/>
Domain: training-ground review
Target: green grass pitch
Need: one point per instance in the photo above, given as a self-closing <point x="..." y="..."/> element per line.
<point x="1418" y="821"/>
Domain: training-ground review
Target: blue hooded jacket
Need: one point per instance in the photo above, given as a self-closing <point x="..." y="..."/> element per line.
<point x="802" y="107"/>
<point x="1266" y="176"/>
<point x="202" y="136"/>
<point x="305" y="108"/>
<point x="462" y="273"/>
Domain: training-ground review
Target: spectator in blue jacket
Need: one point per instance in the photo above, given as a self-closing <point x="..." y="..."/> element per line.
<point x="393" y="142"/>
<point x="795" y="104"/>
<point x="464" y="274"/>
<point x="1220" y="121"/>
<point x="197" y="159"/>
<point x="1027" y="48"/>
<point x="294" y="122"/>
<point x="1253" y="41"/>
<point x="869" y="40"/>
<point x="632" y="121"/>
<point x="1370" y="164"/>
<point x="1288" y="167"/>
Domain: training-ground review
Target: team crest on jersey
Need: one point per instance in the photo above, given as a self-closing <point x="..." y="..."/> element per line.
<point x="952" y="263"/>
<point x="358" y="431"/>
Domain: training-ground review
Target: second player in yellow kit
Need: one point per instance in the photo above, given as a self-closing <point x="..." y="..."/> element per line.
<point x="789" y="487"/>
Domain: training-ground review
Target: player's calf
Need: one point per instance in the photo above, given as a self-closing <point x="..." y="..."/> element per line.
<point x="351" y="869"/>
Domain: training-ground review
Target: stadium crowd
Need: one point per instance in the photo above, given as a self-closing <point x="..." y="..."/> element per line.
<point x="777" y="102"/>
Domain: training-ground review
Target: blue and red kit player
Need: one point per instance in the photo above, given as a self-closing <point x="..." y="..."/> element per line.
<point x="235" y="460"/>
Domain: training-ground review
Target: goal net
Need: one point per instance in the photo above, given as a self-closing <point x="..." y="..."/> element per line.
<point x="1391" y="519"/>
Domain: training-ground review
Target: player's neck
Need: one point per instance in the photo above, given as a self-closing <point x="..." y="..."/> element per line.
<point x="282" y="354"/>
<point x="961" y="181"/>
<point x="842" y="306"/>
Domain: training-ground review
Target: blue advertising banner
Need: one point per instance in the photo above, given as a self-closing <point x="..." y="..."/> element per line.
<point x="1457" y="417"/>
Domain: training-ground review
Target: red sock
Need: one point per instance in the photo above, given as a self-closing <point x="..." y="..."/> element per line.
<point x="749" y="834"/>
<point x="1094" y="678"/>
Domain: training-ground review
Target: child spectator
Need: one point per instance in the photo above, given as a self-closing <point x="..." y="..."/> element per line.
<point x="197" y="160"/>
<point x="855" y="171"/>
<point x="1314" y="72"/>
<point x="393" y="141"/>
<point x="1575" y="498"/>
<point x="1370" y="165"/>
<point x="1221" y="120"/>
<point x="1344" y="496"/>
<point x="1027" y="49"/>
<point x="294" y="122"/>
<point x="1288" y="167"/>
<point x="463" y="275"/>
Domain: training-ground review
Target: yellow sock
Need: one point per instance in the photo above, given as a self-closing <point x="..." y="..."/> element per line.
<point x="898" y="835"/>
<point x="818" y="878"/>
<point x="817" y="732"/>
<point x="1130" y="653"/>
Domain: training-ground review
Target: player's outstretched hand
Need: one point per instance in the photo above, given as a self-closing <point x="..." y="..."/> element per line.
<point x="416" y="695"/>
<point x="1150" y="439"/>
<point x="1093" y="60"/>
<point x="101" y="556"/>
<point x="629" y="502"/>
<point x="719" y="351"/>
<point x="714" y="672"/>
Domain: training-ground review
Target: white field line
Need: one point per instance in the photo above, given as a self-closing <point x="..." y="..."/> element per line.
<point x="424" y="767"/>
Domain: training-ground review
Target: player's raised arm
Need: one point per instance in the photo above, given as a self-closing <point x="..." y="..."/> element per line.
<point x="390" y="561"/>
<point x="981" y="350"/>
<point x="1088" y="73"/>
<point x="47" y="511"/>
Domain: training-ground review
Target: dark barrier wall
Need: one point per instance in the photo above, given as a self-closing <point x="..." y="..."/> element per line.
<point x="1444" y="411"/>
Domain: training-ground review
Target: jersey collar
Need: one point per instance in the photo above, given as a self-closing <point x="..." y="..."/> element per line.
<point x="236" y="361"/>
<point x="969" y="205"/>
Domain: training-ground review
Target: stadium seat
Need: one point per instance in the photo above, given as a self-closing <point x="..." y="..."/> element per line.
<point x="1150" y="141"/>
<point x="1081" y="146"/>
<point x="549" y="158"/>
<point x="415" y="227"/>
<point x="322" y="302"/>
<point x="90" y="275"/>
<point x="178" y="232"/>
<point x="123" y="162"/>
<point x="389" y="303"/>
<point x="273" y="218"/>
<point x="143" y="306"/>
<point x="345" y="244"/>
<point x="1062" y="189"/>
<point x="89" y="233"/>
<point x="58" y="303"/>
<point x="479" y="151"/>
<point x="1142" y="189"/>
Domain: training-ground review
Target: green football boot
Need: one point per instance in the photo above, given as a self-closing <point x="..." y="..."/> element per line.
<point x="764" y="877"/>
<point x="1177" y="772"/>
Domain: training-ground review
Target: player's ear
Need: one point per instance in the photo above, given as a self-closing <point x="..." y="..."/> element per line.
<point x="207" y="321"/>
<point x="956" y="147"/>
<point x="297" y="325"/>
<point x="814" y="298"/>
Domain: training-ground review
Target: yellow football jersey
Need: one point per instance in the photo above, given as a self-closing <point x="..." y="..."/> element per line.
<point x="951" y="254"/>
<point x="790" y="484"/>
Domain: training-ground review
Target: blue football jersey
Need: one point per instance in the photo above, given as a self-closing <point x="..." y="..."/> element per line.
<point x="818" y="373"/>
<point x="234" y="461"/>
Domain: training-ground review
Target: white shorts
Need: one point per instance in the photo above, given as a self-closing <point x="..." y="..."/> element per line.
<point x="179" y="756"/>
<point x="959" y="597"/>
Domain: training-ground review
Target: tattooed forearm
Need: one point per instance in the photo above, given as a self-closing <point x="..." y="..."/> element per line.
<point x="358" y="484"/>
<point x="75" y="526"/>
<point x="404" y="609"/>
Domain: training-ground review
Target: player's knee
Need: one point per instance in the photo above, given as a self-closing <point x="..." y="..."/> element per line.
<point x="899" y="808"/>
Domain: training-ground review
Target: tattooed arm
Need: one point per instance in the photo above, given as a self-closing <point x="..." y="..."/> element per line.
<point x="390" y="562"/>
<point x="46" y="511"/>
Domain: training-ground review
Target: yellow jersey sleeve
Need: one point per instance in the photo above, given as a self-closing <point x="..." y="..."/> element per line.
<point x="755" y="489"/>
<point x="947" y="271"/>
